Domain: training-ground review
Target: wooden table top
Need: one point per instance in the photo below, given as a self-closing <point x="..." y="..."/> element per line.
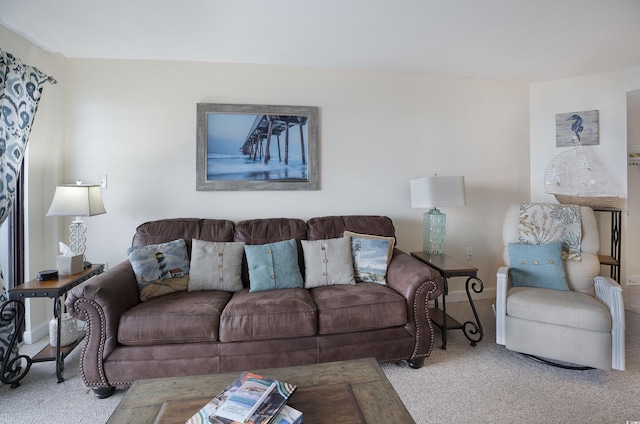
<point x="355" y="391"/>
<point x="446" y="264"/>
<point x="54" y="288"/>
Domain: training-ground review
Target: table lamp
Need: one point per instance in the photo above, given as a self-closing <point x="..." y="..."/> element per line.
<point x="430" y="192"/>
<point x="77" y="200"/>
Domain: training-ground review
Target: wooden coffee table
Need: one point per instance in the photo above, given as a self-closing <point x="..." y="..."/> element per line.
<point x="354" y="391"/>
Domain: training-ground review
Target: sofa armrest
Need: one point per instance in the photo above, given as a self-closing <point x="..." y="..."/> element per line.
<point x="100" y="301"/>
<point x="503" y="284"/>
<point x="418" y="283"/>
<point x="609" y="293"/>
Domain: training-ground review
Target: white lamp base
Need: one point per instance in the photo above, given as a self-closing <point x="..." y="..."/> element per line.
<point x="77" y="236"/>
<point x="433" y="236"/>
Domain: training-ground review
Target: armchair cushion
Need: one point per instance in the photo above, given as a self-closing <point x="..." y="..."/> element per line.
<point x="566" y="309"/>
<point x="537" y="265"/>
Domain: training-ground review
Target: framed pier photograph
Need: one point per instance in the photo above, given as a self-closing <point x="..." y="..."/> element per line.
<point x="256" y="147"/>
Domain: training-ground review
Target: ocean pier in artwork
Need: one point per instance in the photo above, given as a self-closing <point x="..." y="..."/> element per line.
<point x="266" y="126"/>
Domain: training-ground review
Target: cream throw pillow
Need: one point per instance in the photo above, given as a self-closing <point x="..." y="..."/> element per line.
<point x="327" y="262"/>
<point x="216" y="266"/>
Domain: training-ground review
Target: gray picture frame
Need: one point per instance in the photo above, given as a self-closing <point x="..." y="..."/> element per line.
<point x="575" y="128"/>
<point x="248" y="134"/>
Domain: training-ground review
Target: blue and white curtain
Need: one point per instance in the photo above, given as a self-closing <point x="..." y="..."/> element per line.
<point x="20" y="90"/>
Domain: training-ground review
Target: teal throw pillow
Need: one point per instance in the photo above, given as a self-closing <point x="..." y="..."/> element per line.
<point x="537" y="265"/>
<point x="160" y="268"/>
<point x="273" y="266"/>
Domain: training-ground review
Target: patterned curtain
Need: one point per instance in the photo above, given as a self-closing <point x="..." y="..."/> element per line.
<point x="20" y="91"/>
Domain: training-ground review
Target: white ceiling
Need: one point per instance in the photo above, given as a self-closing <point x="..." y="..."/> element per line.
<point x="526" y="41"/>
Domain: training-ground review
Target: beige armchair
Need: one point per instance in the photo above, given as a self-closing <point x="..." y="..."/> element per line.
<point x="582" y="325"/>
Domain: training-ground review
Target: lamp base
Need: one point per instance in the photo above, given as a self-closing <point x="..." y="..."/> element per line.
<point x="77" y="236"/>
<point x="433" y="235"/>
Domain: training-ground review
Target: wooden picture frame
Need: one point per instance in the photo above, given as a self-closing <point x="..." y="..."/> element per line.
<point x="256" y="147"/>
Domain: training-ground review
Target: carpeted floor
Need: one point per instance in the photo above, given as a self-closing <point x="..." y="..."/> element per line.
<point x="489" y="384"/>
<point x="463" y="384"/>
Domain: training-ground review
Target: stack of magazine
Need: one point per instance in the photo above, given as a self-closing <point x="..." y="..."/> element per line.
<point x="250" y="398"/>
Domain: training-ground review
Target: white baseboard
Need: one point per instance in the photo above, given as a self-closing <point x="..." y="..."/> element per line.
<point x="35" y="334"/>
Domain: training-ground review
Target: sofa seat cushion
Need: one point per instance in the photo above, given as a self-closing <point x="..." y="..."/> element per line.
<point x="362" y="306"/>
<point x="182" y="317"/>
<point x="268" y="315"/>
<point x="567" y="308"/>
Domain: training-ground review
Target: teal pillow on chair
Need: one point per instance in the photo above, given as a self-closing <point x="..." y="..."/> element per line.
<point x="273" y="266"/>
<point x="537" y="265"/>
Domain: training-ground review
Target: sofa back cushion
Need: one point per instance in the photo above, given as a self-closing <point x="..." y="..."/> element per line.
<point x="327" y="227"/>
<point x="164" y="230"/>
<point x="270" y="230"/>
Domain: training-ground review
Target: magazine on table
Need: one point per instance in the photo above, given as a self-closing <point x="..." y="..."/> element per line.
<point x="249" y="398"/>
<point x="288" y="415"/>
<point x="244" y="400"/>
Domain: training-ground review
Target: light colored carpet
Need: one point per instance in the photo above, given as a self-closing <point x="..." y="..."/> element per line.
<point x="463" y="384"/>
<point x="489" y="384"/>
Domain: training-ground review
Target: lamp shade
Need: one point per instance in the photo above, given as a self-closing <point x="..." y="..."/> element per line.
<point x="431" y="192"/>
<point x="77" y="200"/>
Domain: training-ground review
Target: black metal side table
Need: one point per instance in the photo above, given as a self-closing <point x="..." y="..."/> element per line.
<point x="11" y="371"/>
<point x="450" y="267"/>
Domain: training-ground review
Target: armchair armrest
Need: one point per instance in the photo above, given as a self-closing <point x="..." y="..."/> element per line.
<point x="609" y="293"/>
<point x="503" y="284"/>
<point x="418" y="283"/>
<point x="100" y="301"/>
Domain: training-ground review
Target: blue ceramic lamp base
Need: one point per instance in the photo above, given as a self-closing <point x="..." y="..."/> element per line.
<point x="433" y="236"/>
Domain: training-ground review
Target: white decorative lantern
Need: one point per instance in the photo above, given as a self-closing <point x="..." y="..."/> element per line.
<point x="573" y="177"/>
<point x="68" y="330"/>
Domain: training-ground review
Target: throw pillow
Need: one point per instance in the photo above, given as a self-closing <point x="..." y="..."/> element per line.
<point x="537" y="265"/>
<point x="371" y="256"/>
<point x="160" y="268"/>
<point x="327" y="262"/>
<point x="273" y="266"/>
<point x="216" y="266"/>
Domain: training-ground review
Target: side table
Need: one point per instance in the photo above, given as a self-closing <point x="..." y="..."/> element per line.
<point x="53" y="289"/>
<point x="450" y="267"/>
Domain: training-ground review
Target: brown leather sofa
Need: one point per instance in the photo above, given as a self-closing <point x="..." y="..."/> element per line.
<point x="182" y="333"/>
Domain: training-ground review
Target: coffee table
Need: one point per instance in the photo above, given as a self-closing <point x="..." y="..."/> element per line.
<point x="355" y="391"/>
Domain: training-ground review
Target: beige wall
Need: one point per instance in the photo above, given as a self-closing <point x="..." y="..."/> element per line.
<point x="135" y="121"/>
<point x="606" y="93"/>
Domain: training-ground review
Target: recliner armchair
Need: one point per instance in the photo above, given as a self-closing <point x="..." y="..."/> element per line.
<point x="583" y="325"/>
